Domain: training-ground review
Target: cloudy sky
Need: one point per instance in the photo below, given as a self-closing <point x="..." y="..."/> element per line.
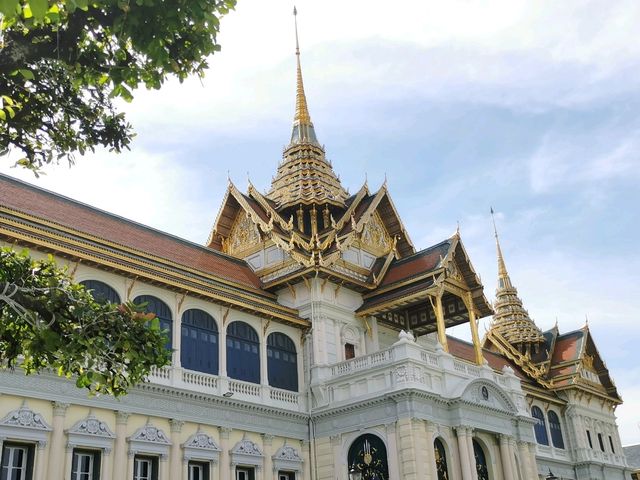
<point x="529" y="107"/>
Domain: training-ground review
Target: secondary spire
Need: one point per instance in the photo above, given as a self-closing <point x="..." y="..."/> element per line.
<point x="303" y="131"/>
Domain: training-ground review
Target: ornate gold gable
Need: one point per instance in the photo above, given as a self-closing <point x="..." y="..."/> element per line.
<point x="244" y="236"/>
<point x="375" y="237"/>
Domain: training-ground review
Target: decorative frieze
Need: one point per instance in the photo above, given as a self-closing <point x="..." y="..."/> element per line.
<point x="201" y="446"/>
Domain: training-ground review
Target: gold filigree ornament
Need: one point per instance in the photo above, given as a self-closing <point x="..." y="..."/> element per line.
<point x="244" y="235"/>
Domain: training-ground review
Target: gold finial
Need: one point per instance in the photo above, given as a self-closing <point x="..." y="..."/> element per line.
<point x="502" y="269"/>
<point x="302" y="111"/>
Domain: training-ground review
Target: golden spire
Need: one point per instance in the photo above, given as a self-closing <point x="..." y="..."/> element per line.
<point x="511" y="320"/>
<point x="303" y="131"/>
<point x="503" y="275"/>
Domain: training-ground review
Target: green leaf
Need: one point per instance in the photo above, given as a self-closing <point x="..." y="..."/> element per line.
<point x="3" y="116"/>
<point x="39" y="8"/>
<point x="11" y="111"/>
<point x="26" y="74"/>
<point x="8" y="7"/>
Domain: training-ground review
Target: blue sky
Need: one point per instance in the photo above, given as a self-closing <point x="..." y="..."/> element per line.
<point x="529" y="107"/>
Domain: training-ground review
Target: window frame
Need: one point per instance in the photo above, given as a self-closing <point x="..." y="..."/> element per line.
<point x="154" y="466"/>
<point x="28" y="459"/>
<point x="540" y="427"/>
<point x="96" y="459"/>
<point x="555" y="428"/>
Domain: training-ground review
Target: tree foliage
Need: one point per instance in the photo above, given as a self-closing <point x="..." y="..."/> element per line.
<point x="63" y="62"/>
<point x="47" y="321"/>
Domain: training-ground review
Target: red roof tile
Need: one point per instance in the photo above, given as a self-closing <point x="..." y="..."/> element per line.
<point x="420" y="262"/>
<point x="464" y="351"/>
<point x="43" y="204"/>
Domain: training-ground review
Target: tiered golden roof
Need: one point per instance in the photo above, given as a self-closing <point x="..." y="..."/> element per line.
<point x="511" y="321"/>
<point x="305" y="176"/>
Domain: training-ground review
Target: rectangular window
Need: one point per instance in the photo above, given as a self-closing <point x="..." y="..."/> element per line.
<point x="601" y="442"/>
<point x="198" y="471"/>
<point x="589" y="438"/>
<point x="245" y="473"/>
<point x="349" y="351"/>
<point x="145" y="468"/>
<point x="85" y="465"/>
<point x="286" y="475"/>
<point x="17" y="462"/>
<point x="613" y="450"/>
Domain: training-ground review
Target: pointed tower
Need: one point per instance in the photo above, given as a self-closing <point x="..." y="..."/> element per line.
<point x="305" y="181"/>
<point x="511" y="321"/>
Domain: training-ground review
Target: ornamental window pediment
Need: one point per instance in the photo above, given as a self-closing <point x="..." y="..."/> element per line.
<point x="149" y="439"/>
<point x="201" y="446"/>
<point x="287" y="458"/>
<point x="25" y="424"/>
<point x="90" y="432"/>
<point x="246" y="452"/>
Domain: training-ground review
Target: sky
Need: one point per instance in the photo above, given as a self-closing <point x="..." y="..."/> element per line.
<point x="529" y="107"/>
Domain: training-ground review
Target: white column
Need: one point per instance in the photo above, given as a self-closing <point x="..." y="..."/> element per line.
<point x="472" y="455"/>
<point x="164" y="468"/>
<point x="175" y="457"/>
<point x="463" y="448"/>
<point x="512" y="456"/>
<point x="264" y="375"/>
<point x="106" y="463"/>
<point x="259" y="472"/>
<point x="56" y="448"/>
<point x="177" y="332"/>
<point x="393" y="455"/>
<point x="129" y="472"/>
<point x="418" y="433"/>
<point x="224" y="454"/>
<point x="340" y="471"/>
<point x="504" y="455"/>
<point x="432" y="470"/>
<point x="120" y="447"/>
<point x="267" y="451"/>
<point x="523" y="450"/>
<point x="41" y="460"/>
<point x="68" y="460"/>
<point x="533" y="461"/>
<point x="222" y="348"/>
<point x="306" y="455"/>
<point x="185" y="469"/>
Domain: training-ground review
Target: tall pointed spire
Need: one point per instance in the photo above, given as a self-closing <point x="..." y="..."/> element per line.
<point x="511" y="321"/>
<point x="503" y="275"/>
<point x="303" y="131"/>
<point x="304" y="176"/>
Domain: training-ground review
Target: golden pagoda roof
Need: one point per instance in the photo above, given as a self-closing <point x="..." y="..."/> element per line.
<point x="304" y="175"/>
<point x="510" y="320"/>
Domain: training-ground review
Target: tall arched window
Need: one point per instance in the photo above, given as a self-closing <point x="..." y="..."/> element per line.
<point x="556" y="431"/>
<point x="243" y="357"/>
<point x="368" y="457"/>
<point x="282" y="362"/>
<point x="101" y="291"/>
<point x="481" y="461"/>
<point x="539" y="427"/>
<point x="199" y="342"/>
<point x="441" y="460"/>
<point x="162" y="311"/>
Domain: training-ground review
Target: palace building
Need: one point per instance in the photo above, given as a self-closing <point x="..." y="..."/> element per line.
<point x="309" y="342"/>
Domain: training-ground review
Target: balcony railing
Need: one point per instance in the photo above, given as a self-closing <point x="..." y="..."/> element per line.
<point x="228" y="387"/>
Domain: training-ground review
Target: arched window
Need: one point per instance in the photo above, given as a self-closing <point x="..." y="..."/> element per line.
<point x="101" y="292"/>
<point x="162" y="311"/>
<point x="481" y="461"/>
<point x="282" y="362"/>
<point x="199" y="342"/>
<point x="243" y="357"/>
<point x="368" y="457"/>
<point x="441" y="460"/>
<point x="556" y="431"/>
<point x="539" y="427"/>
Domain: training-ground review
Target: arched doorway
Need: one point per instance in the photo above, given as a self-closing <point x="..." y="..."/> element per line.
<point x="368" y="458"/>
<point x="441" y="460"/>
<point x="481" y="461"/>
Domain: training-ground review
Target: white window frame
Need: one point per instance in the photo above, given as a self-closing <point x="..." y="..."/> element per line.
<point x="137" y="461"/>
<point x="77" y="474"/>
<point x="9" y="468"/>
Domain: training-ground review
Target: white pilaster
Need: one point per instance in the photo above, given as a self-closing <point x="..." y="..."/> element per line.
<point x="463" y="448"/>
<point x="267" y="451"/>
<point x="507" y="468"/>
<point x="176" y="458"/>
<point x="56" y="449"/>
<point x="120" y="460"/>
<point x="224" y="455"/>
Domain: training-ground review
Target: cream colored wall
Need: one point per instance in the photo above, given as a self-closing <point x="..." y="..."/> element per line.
<point x="74" y="413"/>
